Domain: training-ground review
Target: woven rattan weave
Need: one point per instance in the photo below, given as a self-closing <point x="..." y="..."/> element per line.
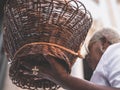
<point x="34" y="28"/>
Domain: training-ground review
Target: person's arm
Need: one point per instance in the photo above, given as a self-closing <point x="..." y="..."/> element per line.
<point x="73" y="83"/>
<point x="57" y="74"/>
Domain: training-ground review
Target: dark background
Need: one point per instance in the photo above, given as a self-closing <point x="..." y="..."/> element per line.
<point x="3" y="61"/>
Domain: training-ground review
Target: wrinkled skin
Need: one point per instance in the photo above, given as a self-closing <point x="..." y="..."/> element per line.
<point x="94" y="54"/>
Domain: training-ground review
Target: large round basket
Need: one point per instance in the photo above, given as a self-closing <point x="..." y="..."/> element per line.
<point x="34" y="28"/>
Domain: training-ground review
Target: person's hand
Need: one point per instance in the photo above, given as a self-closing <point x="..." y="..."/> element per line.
<point x="54" y="72"/>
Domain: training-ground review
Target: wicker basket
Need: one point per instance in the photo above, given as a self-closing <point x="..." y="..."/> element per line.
<point x="34" y="28"/>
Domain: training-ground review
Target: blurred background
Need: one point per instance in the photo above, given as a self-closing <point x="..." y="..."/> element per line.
<point x="105" y="13"/>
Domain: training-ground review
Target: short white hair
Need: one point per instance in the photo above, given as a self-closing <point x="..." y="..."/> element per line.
<point x="110" y="34"/>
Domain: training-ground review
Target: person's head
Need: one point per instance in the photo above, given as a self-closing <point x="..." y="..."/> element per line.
<point x="99" y="42"/>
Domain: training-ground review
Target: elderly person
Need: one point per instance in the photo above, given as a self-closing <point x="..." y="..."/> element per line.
<point x="104" y="59"/>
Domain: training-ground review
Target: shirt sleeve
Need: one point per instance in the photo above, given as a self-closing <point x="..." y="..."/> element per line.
<point x="114" y="71"/>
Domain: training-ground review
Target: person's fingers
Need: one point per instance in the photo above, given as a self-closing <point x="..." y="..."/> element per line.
<point x="55" y="65"/>
<point x="51" y="60"/>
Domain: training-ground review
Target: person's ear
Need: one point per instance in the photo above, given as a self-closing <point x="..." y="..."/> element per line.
<point x="102" y="49"/>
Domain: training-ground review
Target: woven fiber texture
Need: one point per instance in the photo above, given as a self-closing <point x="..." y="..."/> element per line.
<point x="34" y="28"/>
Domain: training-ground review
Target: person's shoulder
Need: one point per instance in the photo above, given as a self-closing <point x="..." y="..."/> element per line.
<point x="111" y="56"/>
<point x="113" y="48"/>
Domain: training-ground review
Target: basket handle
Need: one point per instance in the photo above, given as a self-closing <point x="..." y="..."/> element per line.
<point x="52" y="44"/>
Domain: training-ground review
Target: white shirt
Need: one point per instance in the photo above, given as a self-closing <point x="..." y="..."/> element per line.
<point x="107" y="72"/>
